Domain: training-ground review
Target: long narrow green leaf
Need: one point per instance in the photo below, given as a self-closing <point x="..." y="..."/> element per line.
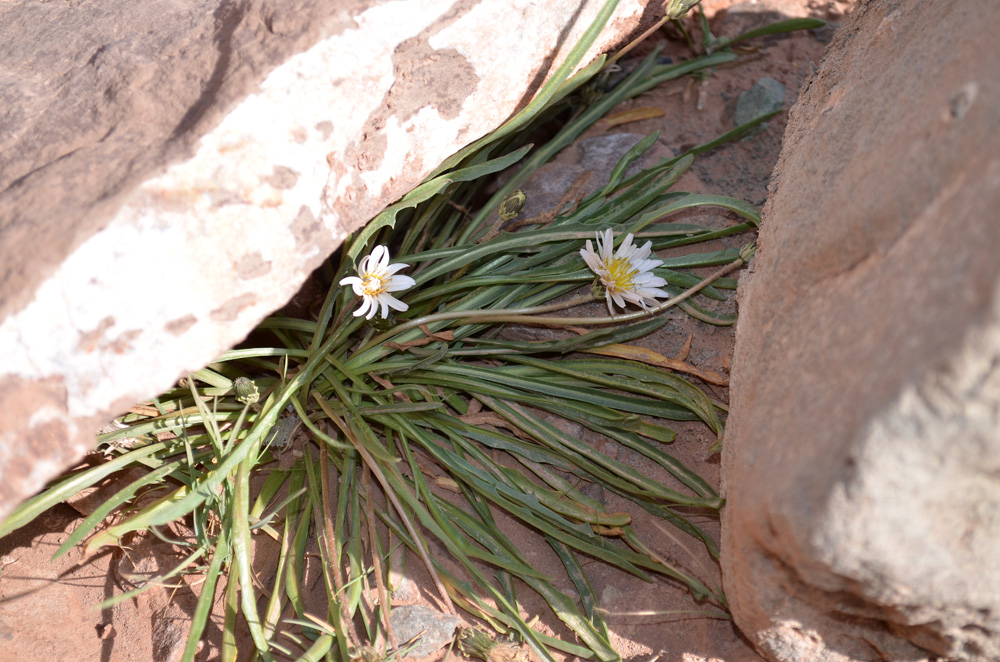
<point x="429" y="189"/>
<point x="272" y="612"/>
<point x="549" y="434"/>
<point x="156" y="581"/>
<point x="590" y="396"/>
<point x="705" y="315"/>
<point x="635" y="377"/>
<point x="627" y="159"/>
<point x="597" y="338"/>
<point x="241" y="557"/>
<point x="789" y="25"/>
<point x="561" y="604"/>
<point x="121" y="497"/>
<point x="553" y="86"/>
<point x="206" y="600"/>
<point x="582" y="584"/>
<point x="229" y="651"/>
<point x="64" y="489"/>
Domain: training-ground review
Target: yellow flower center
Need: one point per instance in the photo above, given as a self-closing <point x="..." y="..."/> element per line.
<point x="373" y="285"/>
<point x="621" y="274"/>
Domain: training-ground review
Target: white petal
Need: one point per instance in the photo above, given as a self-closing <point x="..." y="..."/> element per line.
<point x="393" y="302"/>
<point x="380" y="257"/>
<point x="647" y="265"/>
<point x="590" y="258"/>
<point x="393" y="268"/>
<point x="399" y="282"/>
<point x="626" y="248"/>
<point x="655" y="281"/>
<point x="634" y="298"/>
<point x="350" y="280"/>
<point x="364" y="307"/>
<point x="607" y="246"/>
<point x="653" y="293"/>
<point x="649" y="278"/>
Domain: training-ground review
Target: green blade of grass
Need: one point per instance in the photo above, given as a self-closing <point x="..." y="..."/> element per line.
<point x="552" y="87"/>
<point x="637" y="378"/>
<point x="590" y="396"/>
<point x="552" y="436"/>
<point x="789" y="25"/>
<point x="66" y="488"/>
<point x="579" y="578"/>
<point x="708" y="316"/>
<point x="429" y="189"/>
<point x="241" y="557"/>
<point x="203" y="608"/>
<point x="229" y="651"/>
<point x="155" y="581"/>
<point x="121" y="497"/>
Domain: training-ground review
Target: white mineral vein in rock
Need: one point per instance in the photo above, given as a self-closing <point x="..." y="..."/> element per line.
<point x="190" y="212"/>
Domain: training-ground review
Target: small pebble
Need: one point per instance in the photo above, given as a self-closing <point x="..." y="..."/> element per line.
<point x="411" y="620"/>
<point x="766" y="96"/>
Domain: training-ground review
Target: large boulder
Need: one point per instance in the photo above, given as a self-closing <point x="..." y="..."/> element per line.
<point x="862" y="457"/>
<point x="171" y="172"/>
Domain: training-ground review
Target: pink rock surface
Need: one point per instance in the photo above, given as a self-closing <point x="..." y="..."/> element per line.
<point x="861" y="456"/>
<point x="171" y="173"/>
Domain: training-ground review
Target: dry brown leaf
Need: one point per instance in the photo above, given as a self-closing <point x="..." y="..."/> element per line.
<point x="633" y="115"/>
<point x="430" y="336"/>
<point x="655" y="358"/>
<point x="386" y="384"/>
<point x="685" y="350"/>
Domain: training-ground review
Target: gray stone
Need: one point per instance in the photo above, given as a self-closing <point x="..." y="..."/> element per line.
<point x="601" y="153"/>
<point x="583" y="169"/>
<point x="861" y="462"/>
<point x="170" y="173"/>
<point x="433" y="629"/>
<point x="766" y="96"/>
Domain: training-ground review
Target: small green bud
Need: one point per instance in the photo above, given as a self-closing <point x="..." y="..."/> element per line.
<point x="747" y="252"/>
<point x="511" y="206"/>
<point x="381" y="325"/>
<point x="246" y="391"/>
<point x="677" y="8"/>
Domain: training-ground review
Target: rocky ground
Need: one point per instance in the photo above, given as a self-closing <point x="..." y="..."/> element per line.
<point x="47" y="609"/>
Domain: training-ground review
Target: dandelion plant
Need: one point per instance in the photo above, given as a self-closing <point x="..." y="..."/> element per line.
<point x="407" y="413"/>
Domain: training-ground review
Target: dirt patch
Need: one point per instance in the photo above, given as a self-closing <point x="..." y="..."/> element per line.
<point x="48" y="609"/>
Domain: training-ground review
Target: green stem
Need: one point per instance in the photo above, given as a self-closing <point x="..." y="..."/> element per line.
<point x="474" y="315"/>
<point x="516" y="317"/>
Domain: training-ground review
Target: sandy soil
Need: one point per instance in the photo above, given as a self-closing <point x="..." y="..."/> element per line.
<point x="47" y="609"/>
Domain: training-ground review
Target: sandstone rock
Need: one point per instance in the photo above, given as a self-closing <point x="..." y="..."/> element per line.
<point x="862" y="457"/>
<point x="170" y="174"/>
<point x="430" y="630"/>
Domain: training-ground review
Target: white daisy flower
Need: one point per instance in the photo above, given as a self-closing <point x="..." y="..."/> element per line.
<point x="375" y="280"/>
<point x="626" y="275"/>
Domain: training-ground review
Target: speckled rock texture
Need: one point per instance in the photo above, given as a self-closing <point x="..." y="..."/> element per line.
<point x="862" y="456"/>
<point x="170" y="172"/>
